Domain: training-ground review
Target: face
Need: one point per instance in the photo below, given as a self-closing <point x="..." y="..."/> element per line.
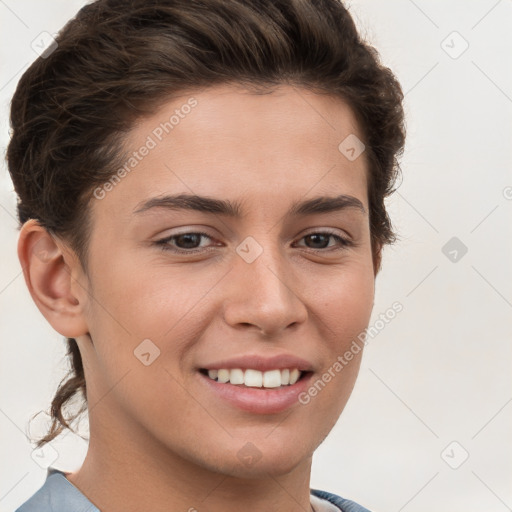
<point x="256" y="280"/>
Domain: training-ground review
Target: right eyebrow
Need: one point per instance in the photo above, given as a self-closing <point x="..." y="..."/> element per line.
<point x="192" y="202"/>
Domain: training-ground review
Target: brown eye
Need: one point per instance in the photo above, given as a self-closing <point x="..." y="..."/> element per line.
<point x="188" y="240"/>
<point x="184" y="243"/>
<point x="319" y="241"/>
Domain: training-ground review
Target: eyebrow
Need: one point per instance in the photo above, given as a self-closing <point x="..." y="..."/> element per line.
<point x="234" y="209"/>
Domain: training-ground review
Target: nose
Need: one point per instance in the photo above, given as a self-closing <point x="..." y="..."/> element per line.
<point x="264" y="295"/>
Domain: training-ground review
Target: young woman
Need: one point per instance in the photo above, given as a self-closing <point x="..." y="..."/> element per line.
<point x="201" y="197"/>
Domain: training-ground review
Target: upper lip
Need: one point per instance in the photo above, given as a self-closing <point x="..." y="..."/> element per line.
<point x="261" y="363"/>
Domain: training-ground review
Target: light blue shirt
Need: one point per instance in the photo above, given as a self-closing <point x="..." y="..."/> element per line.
<point x="58" y="494"/>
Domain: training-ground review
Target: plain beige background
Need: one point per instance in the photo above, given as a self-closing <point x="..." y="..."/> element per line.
<point x="430" y="418"/>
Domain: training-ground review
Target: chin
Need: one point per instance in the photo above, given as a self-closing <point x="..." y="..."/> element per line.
<point x="260" y="458"/>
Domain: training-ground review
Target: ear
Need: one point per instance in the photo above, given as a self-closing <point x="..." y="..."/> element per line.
<point x="51" y="270"/>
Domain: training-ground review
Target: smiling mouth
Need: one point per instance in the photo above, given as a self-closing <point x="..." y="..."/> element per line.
<point x="270" y="379"/>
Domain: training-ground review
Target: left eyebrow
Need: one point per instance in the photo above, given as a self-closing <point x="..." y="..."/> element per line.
<point x="205" y="204"/>
<point x="326" y="204"/>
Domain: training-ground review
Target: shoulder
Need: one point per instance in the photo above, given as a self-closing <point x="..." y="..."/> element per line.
<point x="343" y="504"/>
<point x="57" y="494"/>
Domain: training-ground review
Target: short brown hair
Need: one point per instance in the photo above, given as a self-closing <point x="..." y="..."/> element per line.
<point x="119" y="60"/>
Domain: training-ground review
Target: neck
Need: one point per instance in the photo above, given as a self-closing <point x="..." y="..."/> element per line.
<point x="126" y="470"/>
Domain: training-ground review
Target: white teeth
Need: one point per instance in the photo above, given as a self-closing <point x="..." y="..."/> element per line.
<point x="294" y="376"/>
<point x="272" y="379"/>
<point x="255" y="378"/>
<point x="236" y="376"/>
<point x="223" y="375"/>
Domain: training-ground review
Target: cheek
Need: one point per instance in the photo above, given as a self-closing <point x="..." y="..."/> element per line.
<point x="343" y="302"/>
<point x="168" y="305"/>
<point x="342" y="309"/>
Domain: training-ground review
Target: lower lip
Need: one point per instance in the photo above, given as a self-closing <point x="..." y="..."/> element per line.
<point x="259" y="400"/>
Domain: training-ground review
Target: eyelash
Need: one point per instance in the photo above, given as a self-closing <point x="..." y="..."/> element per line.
<point x="165" y="246"/>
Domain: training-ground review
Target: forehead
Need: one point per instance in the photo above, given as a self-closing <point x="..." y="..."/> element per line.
<point x="228" y="141"/>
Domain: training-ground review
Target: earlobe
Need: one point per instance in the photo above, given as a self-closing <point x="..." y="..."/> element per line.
<point x="48" y="271"/>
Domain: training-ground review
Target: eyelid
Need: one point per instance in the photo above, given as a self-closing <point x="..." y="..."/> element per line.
<point x="330" y="231"/>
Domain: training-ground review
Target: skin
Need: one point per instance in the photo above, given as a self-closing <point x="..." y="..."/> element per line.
<point x="158" y="439"/>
